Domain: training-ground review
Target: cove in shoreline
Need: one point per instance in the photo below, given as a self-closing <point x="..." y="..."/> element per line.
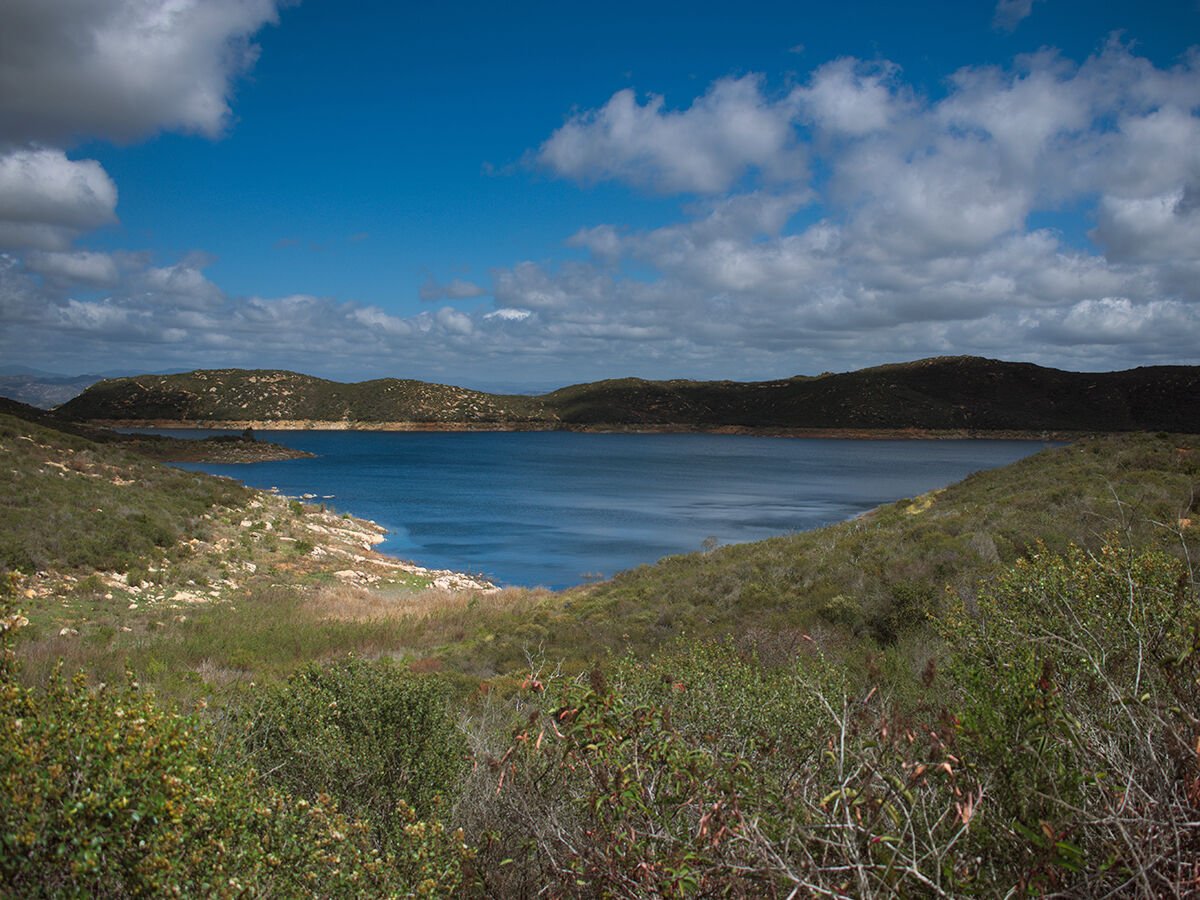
<point x="557" y="509"/>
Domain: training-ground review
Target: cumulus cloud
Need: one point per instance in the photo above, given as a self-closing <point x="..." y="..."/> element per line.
<point x="920" y="240"/>
<point x="454" y="321"/>
<point x="78" y="267"/>
<point x="182" y="286"/>
<point x="1156" y="228"/>
<point x="732" y="129"/>
<point x="46" y="199"/>
<point x="122" y="69"/>
<point x="1120" y="321"/>
<point x="923" y="235"/>
<point x="375" y="318"/>
<point x="849" y="97"/>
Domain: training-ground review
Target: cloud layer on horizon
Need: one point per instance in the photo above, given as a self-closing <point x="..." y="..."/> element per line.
<point x="843" y="221"/>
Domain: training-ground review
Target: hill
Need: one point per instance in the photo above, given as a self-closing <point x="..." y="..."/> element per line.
<point x="944" y="394"/>
<point x="270" y="396"/>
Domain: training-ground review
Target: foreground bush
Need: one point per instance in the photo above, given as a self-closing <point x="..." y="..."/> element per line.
<point x="103" y="793"/>
<point x="1078" y="689"/>
<point x="371" y="734"/>
<point x="1056" y="752"/>
<point x="702" y="773"/>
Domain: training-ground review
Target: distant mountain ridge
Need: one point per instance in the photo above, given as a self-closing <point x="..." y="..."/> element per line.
<point x="940" y="394"/>
<point x="43" y="390"/>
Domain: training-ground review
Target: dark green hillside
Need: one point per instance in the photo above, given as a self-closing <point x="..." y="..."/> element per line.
<point x="635" y="401"/>
<point x="965" y="394"/>
<point x="942" y="393"/>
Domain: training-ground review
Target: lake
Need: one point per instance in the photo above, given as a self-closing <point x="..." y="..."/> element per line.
<point x="559" y="508"/>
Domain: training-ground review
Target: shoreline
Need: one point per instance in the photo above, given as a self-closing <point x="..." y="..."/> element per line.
<point x="867" y="434"/>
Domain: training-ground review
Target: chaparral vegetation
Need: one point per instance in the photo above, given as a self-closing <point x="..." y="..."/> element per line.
<point x="989" y="690"/>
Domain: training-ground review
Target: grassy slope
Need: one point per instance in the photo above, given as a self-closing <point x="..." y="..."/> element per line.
<point x="939" y="394"/>
<point x="70" y="503"/>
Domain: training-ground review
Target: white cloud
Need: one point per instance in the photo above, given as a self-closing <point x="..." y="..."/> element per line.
<point x="183" y="286"/>
<point x="952" y="197"/>
<point x="375" y="318"/>
<point x="533" y="287"/>
<point x="75" y="267"/>
<point x="1118" y="321"/>
<point x="508" y="314"/>
<point x="46" y="200"/>
<point x="1157" y="228"/>
<point x="849" y="97"/>
<point x="730" y="130"/>
<point x="916" y="240"/>
<point x="1021" y="111"/>
<point x="103" y="317"/>
<point x="454" y="321"/>
<point x="122" y="69"/>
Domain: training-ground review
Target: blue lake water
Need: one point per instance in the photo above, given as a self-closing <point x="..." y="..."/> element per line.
<point x="559" y="508"/>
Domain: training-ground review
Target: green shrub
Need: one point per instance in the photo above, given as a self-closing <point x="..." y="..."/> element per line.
<point x="370" y="734"/>
<point x="1078" y="680"/>
<point x="105" y="794"/>
<point x="700" y="773"/>
<point x="1052" y="751"/>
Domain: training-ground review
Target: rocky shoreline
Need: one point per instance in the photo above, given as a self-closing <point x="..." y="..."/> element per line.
<point x="353" y="540"/>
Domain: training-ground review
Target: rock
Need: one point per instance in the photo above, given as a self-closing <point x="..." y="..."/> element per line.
<point x="455" y="581"/>
<point x="352" y="576"/>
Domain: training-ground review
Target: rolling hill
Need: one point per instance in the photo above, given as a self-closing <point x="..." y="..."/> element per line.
<point x="963" y="394"/>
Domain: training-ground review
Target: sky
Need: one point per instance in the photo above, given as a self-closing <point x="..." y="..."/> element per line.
<point x="520" y="196"/>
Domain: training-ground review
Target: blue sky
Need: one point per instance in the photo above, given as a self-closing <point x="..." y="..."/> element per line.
<point x="518" y="199"/>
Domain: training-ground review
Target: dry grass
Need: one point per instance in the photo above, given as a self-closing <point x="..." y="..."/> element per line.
<point x="351" y="603"/>
<point x="41" y="655"/>
<point x="214" y="673"/>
